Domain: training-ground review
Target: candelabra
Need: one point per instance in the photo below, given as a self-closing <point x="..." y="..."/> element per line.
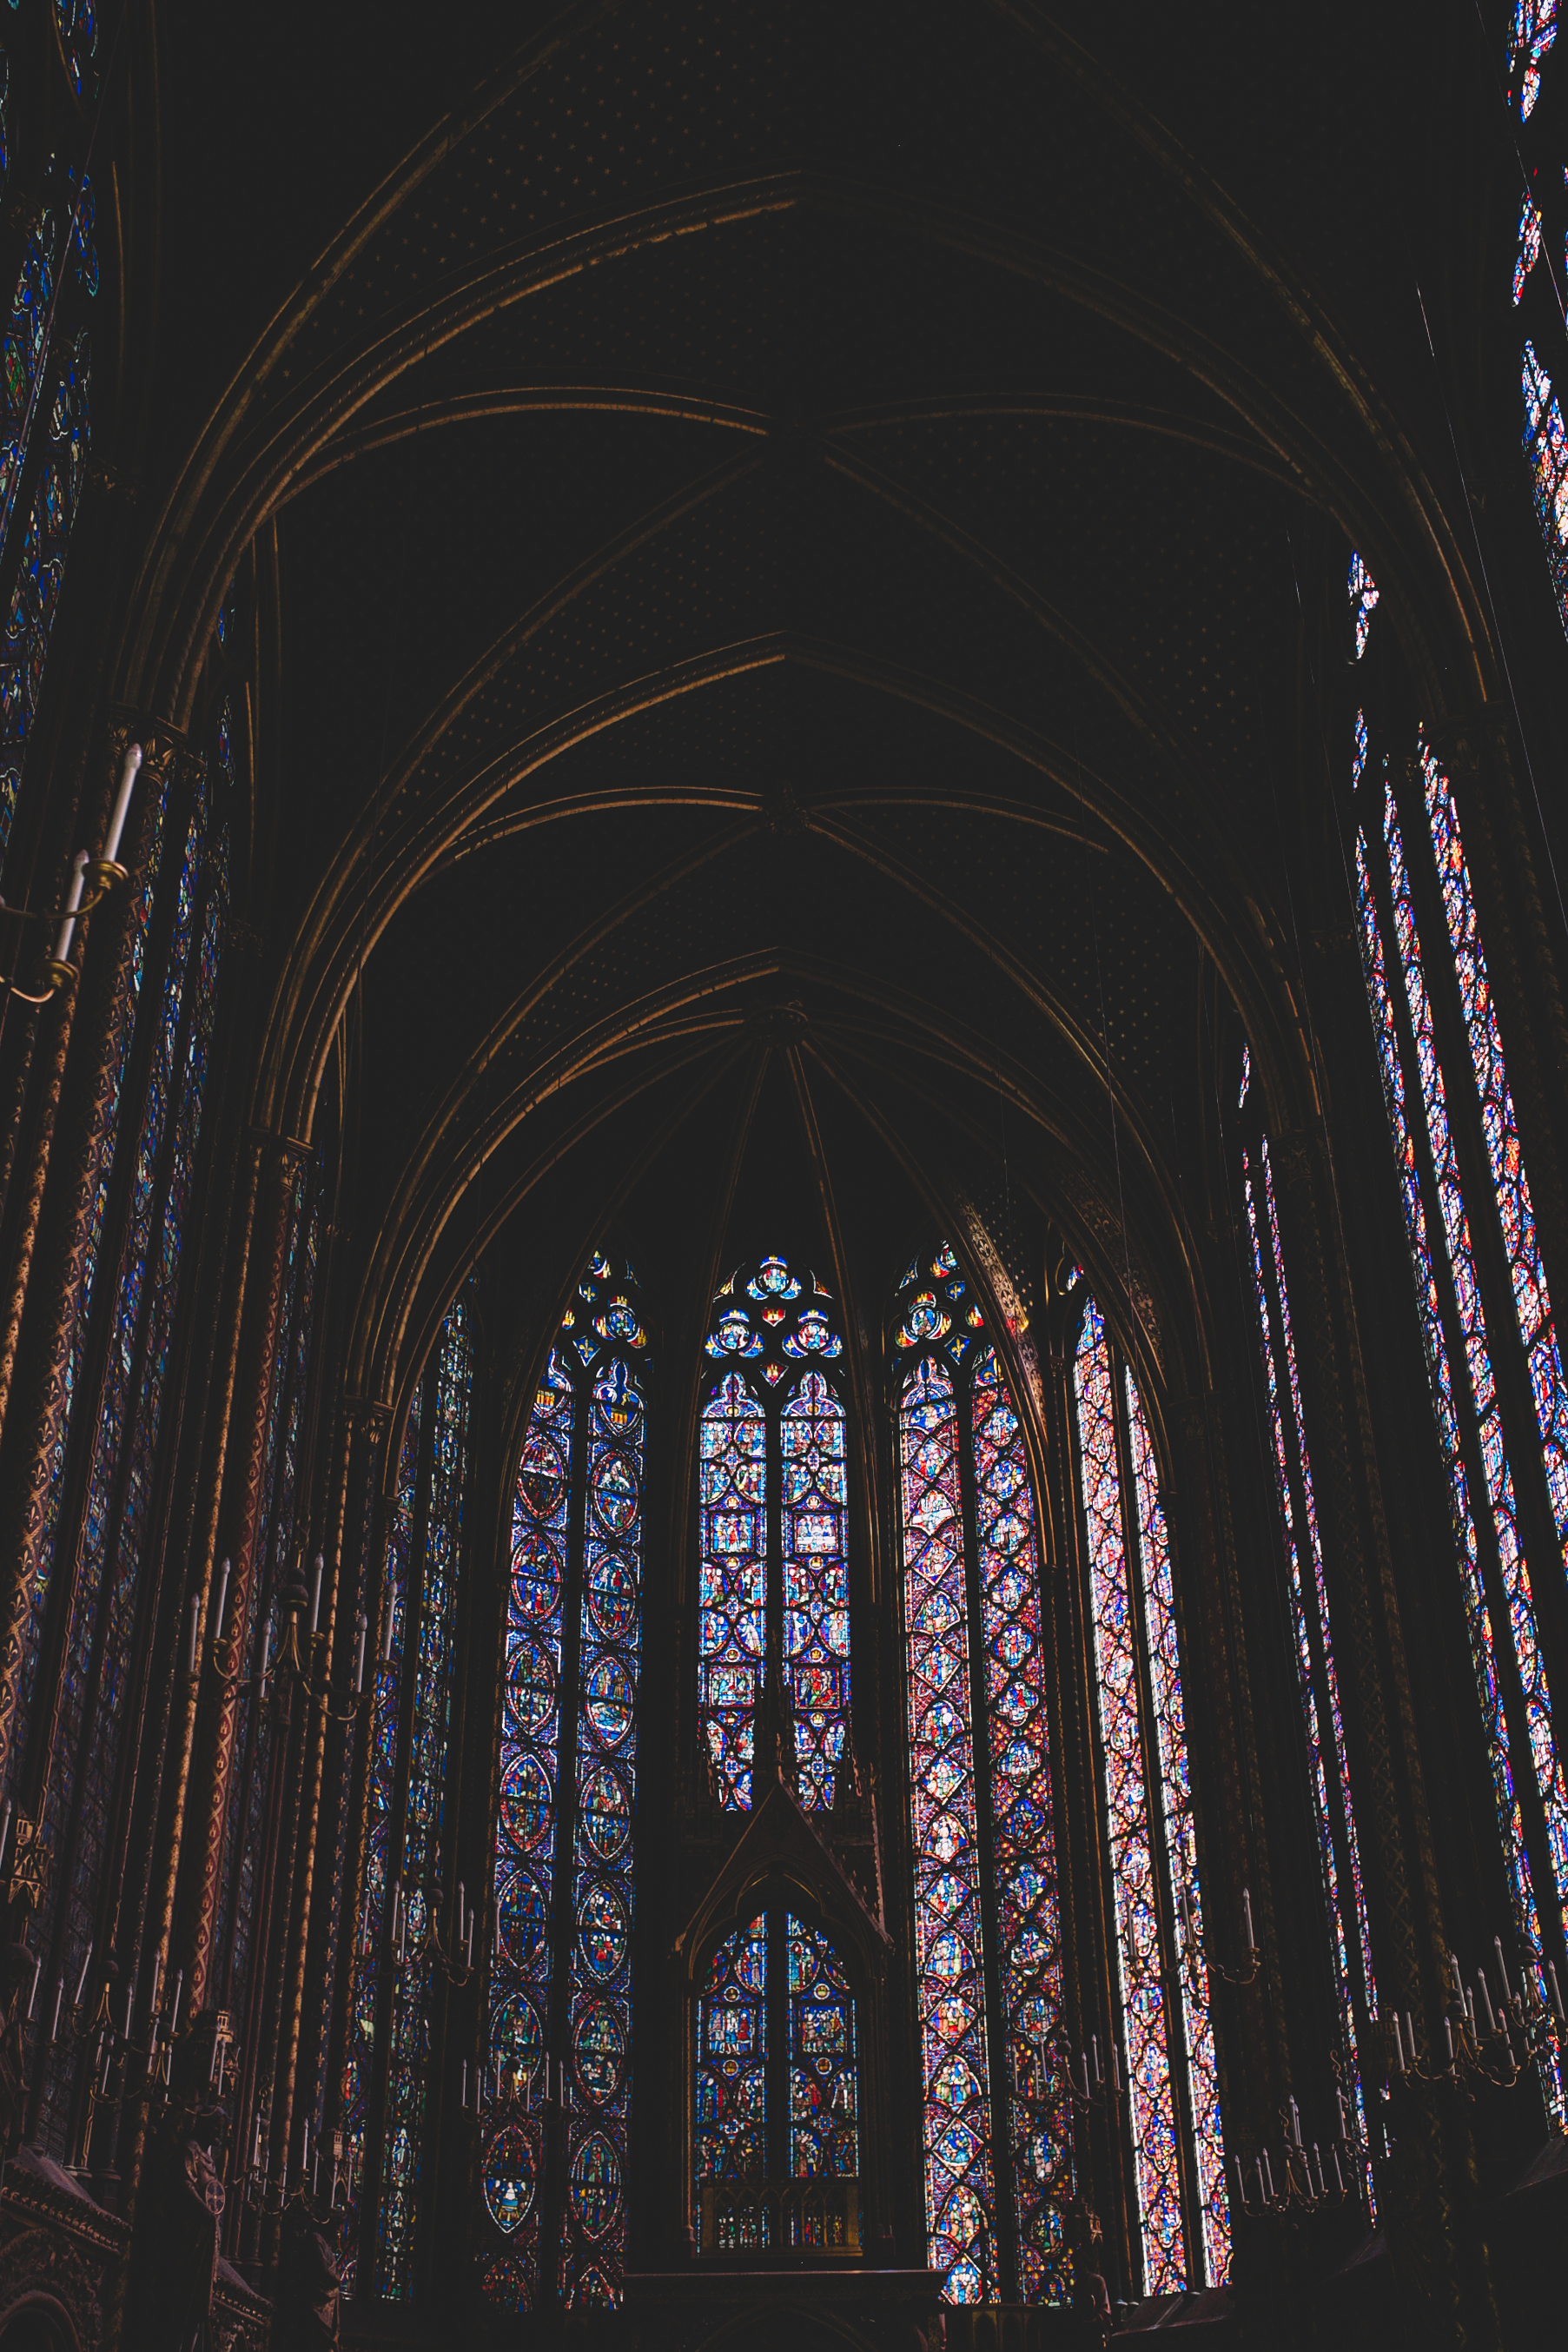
<point x="257" y="2184"/>
<point x="91" y="879"/>
<point x="293" y="1654"/>
<point x="513" y="2086"/>
<point x="1480" y="2050"/>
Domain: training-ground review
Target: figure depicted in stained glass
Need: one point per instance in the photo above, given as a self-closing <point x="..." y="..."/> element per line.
<point x="774" y="1485"/>
<point x="1533" y="31"/>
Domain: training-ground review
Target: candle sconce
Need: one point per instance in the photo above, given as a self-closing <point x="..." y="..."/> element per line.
<point x="91" y="879"/>
<point x="291" y="1661"/>
<point x="263" y="2189"/>
<point x="1495" y="2048"/>
<point x="1348" y="2155"/>
<point x="1195" y="1942"/>
<point x="417" y="1936"/>
<point x="511" y="2087"/>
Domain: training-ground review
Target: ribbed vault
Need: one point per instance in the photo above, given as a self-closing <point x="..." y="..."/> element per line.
<point x="785" y="521"/>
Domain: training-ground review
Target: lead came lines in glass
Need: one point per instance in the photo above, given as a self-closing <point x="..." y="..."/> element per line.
<point x="948" y="1932"/>
<point x="733" y="1593"/>
<point x="1139" y="1972"/>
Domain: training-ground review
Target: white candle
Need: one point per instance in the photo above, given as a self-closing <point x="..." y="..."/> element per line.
<point x="1501" y="1971"/>
<point x="223" y="1598"/>
<point x="387" y="1633"/>
<point x="1410" y="2028"/>
<point x="468" y="1948"/>
<point x="33" y="1995"/>
<point x="1448" y="2037"/>
<point x="1296" y="2123"/>
<point x="466" y="2082"/>
<point x="174" y="2011"/>
<point x="5" y="1829"/>
<point x="359" y="1662"/>
<point x="130" y="2004"/>
<point x="1269" y="2174"/>
<point x="195" y="1627"/>
<point x="127" y="770"/>
<point x="1337" y="2173"/>
<point x="1487" y="2010"/>
<point x="316" y="1596"/>
<point x="59" y="2000"/>
<point x="81" y="1980"/>
<point x="73" y="900"/>
<point x="1247" y="1915"/>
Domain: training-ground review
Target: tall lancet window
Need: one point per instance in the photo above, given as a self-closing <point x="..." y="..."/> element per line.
<point x="1493" y="1355"/>
<point x="774" y="1532"/>
<point x="987" y="1936"/>
<point x="45" y="422"/>
<point x="1167" y="2055"/>
<point x="1322" y="1721"/>
<point x="556" y="2078"/>
<point x="407" y="1922"/>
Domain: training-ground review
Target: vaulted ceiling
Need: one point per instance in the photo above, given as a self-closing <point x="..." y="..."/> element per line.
<point x="789" y="528"/>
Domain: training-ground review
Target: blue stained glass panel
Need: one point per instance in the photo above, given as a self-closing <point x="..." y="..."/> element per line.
<point x="732" y="1597"/>
<point x="816" y="1583"/>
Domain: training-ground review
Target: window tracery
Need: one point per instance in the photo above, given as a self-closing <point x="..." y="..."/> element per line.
<point x="773" y="1531"/>
<point x="554" y="2175"/>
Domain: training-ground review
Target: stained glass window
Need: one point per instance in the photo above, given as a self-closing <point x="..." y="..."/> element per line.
<point x="1546" y="448"/>
<point x="554" y="2162"/>
<point x="775" y="2059"/>
<point x="774" y="1486"/>
<point x="1167" y="2033"/>
<point x="987" y="1936"/>
<point x="78" y="23"/>
<point x="45" y="383"/>
<point x="424" y="1861"/>
<point x="1482" y="1295"/>
<point x="1317" y="1674"/>
<point x="1529" y="253"/>
<point x="1363" y="598"/>
<point x="1534" y="30"/>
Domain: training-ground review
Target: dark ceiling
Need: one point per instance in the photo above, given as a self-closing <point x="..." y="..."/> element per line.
<point x="800" y="530"/>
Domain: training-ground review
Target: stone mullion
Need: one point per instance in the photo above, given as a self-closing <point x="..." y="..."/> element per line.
<point x="58" y="1215"/>
<point x="1178" y="2056"/>
<point x="238" y="1512"/>
<point x="413" y="1603"/>
<point x="372" y="1420"/>
<point x="1317" y="1631"/>
<point x="1081" y="1842"/>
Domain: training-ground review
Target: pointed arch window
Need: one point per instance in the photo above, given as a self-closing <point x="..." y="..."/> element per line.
<point x="774" y="1595"/>
<point x="556" y="2070"/>
<point x="101" y="1545"/>
<point x="1322" y="1717"/>
<point x="44" y="429"/>
<point x="1161" y="1974"/>
<point x="409" y="1894"/>
<point x="988" y="1929"/>
<point x="1493" y="1353"/>
<point x="777" y="2077"/>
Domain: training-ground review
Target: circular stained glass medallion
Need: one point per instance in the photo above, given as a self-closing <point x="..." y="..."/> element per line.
<point x="599" y="2043"/>
<point x="594" y="2186"/>
<point x="613" y="1595"/>
<point x="536" y="1574"/>
<point x="542" y="1476"/>
<point x="527" y="1803"/>
<point x="606" y="1814"/>
<point x="602" y="1929"/>
<point x="614" y="1496"/>
<point x="509" y="2178"/>
<point x="517" y="2041"/>
<point x="524" y="1917"/>
<point x="611" y="1700"/>
<point x="530" y="1683"/>
<point x="505" y="2279"/>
